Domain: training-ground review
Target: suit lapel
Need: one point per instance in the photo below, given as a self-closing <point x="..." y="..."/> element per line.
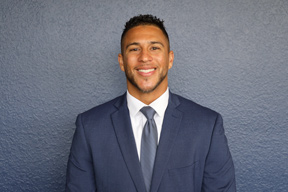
<point x="122" y="126"/>
<point x="170" y="127"/>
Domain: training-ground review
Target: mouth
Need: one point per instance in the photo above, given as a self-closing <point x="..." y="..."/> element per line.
<point x="146" y="70"/>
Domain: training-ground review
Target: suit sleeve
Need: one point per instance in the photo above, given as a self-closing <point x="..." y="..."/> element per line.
<point x="219" y="174"/>
<point x="80" y="175"/>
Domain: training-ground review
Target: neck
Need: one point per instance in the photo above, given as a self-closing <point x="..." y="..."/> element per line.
<point x="147" y="98"/>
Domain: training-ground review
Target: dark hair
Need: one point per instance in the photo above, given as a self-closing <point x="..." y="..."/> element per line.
<point x="144" y="20"/>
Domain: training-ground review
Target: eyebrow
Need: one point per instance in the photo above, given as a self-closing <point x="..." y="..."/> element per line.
<point x="151" y="42"/>
<point x="130" y="44"/>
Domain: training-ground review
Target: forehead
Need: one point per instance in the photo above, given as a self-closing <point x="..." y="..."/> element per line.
<point x="145" y="32"/>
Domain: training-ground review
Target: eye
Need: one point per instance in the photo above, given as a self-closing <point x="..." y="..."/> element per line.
<point x="155" y="48"/>
<point x="134" y="49"/>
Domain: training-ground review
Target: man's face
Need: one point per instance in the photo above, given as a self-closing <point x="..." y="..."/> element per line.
<point x="146" y="59"/>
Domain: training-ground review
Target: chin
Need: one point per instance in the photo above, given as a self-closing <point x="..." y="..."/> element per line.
<point x="147" y="89"/>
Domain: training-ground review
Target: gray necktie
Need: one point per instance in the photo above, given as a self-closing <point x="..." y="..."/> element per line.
<point x="148" y="145"/>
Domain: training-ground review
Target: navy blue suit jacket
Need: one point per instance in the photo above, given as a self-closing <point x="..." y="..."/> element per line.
<point x="192" y="154"/>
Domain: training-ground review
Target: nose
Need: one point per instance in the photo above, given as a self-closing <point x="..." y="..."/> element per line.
<point x="144" y="56"/>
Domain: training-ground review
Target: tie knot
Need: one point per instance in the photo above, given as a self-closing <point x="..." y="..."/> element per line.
<point x="148" y="112"/>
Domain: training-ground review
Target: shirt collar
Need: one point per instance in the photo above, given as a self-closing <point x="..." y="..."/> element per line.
<point x="159" y="105"/>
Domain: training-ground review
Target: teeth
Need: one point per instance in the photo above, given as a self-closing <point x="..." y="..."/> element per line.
<point x="146" y="70"/>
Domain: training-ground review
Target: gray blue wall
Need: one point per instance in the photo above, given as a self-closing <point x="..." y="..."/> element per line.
<point x="59" y="58"/>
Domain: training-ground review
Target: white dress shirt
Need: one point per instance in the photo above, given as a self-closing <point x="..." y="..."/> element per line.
<point x="138" y="120"/>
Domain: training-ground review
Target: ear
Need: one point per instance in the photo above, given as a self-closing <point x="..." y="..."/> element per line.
<point x="171" y="59"/>
<point x="121" y="62"/>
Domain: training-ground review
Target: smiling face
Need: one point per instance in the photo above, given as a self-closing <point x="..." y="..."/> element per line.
<point x="146" y="59"/>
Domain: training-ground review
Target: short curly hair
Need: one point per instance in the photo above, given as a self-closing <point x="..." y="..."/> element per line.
<point x="144" y="20"/>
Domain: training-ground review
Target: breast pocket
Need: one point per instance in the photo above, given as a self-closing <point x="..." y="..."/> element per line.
<point x="184" y="178"/>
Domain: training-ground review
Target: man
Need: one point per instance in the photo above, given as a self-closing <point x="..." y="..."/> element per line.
<point x="118" y="147"/>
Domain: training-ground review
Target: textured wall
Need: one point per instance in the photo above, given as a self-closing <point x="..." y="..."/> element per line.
<point x="59" y="58"/>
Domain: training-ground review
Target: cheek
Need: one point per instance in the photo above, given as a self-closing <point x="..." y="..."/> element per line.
<point x="131" y="62"/>
<point x="163" y="62"/>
